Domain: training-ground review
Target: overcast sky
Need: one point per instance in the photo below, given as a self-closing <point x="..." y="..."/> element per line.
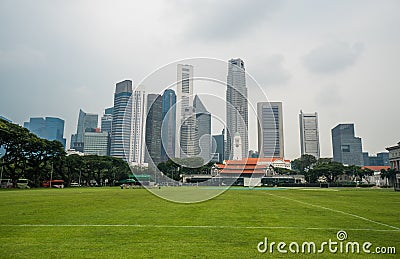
<point x="338" y="58"/>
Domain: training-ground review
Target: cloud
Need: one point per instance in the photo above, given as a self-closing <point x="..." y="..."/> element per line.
<point x="329" y="96"/>
<point x="224" y="20"/>
<point x="271" y="71"/>
<point x="20" y="57"/>
<point x="332" y="57"/>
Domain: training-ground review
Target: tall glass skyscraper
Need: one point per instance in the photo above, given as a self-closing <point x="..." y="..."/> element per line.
<point x="270" y="129"/>
<point x="121" y="120"/>
<point x="203" y="128"/>
<point x="347" y="148"/>
<point x="309" y="134"/>
<point x="168" y="124"/>
<point x="218" y="146"/>
<point x="49" y="128"/>
<point x="106" y="125"/>
<point x="236" y="107"/>
<point x="86" y="122"/>
<point x="153" y="129"/>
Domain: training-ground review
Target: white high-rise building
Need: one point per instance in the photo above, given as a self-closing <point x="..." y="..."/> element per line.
<point x="137" y="138"/>
<point x="237" y="147"/>
<point x="236" y="107"/>
<point x="309" y="134"/>
<point x="185" y="141"/>
<point x="270" y="129"/>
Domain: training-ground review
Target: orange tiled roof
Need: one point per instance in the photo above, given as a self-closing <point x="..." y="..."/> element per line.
<point x="376" y="168"/>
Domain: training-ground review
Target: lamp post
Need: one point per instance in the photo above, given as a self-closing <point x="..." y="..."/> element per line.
<point x="1" y="176"/>
<point x="51" y="174"/>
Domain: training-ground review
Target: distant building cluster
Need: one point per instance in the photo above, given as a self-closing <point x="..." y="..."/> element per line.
<point x="147" y="128"/>
<point x="50" y="128"/>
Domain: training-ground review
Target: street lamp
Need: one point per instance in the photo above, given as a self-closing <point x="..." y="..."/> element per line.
<point x="2" y="160"/>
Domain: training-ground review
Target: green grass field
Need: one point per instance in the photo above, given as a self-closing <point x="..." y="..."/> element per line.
<point x="111" y="222"/>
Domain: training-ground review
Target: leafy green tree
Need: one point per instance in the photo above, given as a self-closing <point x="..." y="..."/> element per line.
<point x="390" y="175"/>
<point x="366" y="172"/>
<point x="14" y="139"/>
<point x="304" y="163"/>
<point x="354" y="172"/>
<point x="331" y="170"/>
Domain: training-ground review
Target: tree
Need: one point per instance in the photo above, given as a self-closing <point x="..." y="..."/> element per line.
<point x="331" y="170"/>
<point x="304" y="163"/>
<point x="17" y="142"/>
<point x="43" y="153"/>
<point x="390" y="175"/>
<point x="354" y="172"/>
<point x="283" y="171"/>
<point x="367" y="172"/>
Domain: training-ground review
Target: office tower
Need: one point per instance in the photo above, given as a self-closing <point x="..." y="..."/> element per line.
<point x="236" y="106"/>
<point x="49" y="128"/>
<point x="86" y="122"/>
<point x="270" y="129"/>
<point x="185" y="141"/>
<point x="137" y="141"/>
<point x="188" y="134"/>
<point x="347" y="148"/>
<point x="381" y="159"/>
<point x="95" y="143"/>
<point x="153" y="129"/>
<point x="218" y="147"/>
<point x="106" y="120"/>
<point x="203" y="128"/>
<point x="168" y="124"/>
<point x="309" y="134"/>
<point x="106" y="125"/>
<point x="121" y="120"/>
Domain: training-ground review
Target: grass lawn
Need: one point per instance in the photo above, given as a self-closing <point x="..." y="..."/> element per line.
<point x="111" y="222"/>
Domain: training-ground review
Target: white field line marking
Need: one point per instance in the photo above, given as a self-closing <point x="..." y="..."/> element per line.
<point x="337" y="211"/>
<point x="192" y="226"/>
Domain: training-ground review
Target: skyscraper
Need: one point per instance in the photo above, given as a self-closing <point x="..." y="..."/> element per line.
<point x="86" y="122"/>
<point x="309" y="134"/>
<point x="121" y="120"/>
<point x="203" y="128"/>
<point x="49" y="128"/>
<point x="347" y="148"/>
<point x="168" y="124"/>
<point x="188" y="134"/>
<point x="106" y="125"/>
<point x="218" y="147"/>
<point x="137" y="141"/>
<point x="153" y="129"/>
<point x="95" y="143"/>
<point x="185" y="138"/>
<point x="236" y="106"/>
<point x="106" y="120"/>
<point x="270" y="129"/>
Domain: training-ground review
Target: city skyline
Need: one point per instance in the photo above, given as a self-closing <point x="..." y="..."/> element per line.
<point x="331" y="69"/>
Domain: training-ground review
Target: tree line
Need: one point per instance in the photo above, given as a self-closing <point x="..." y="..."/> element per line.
<point x="30" y="157"/>
<point x="313" y="168"/>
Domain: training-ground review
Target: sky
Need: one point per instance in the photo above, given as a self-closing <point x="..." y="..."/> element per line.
<point x="338" y="58"/>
